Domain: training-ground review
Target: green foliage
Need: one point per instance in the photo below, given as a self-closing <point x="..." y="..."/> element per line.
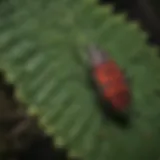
<point x="39" y="43"/>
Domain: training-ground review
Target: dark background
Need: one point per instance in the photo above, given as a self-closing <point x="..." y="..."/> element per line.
<point x="147" y="12"/>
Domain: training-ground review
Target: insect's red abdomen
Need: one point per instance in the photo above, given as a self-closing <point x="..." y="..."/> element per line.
<point x="113" y="83"/>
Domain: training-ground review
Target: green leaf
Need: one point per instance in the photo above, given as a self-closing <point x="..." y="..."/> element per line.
<point x="38" y="48"/>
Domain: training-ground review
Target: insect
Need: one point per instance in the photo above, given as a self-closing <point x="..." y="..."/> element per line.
<point x="109" y="79"/>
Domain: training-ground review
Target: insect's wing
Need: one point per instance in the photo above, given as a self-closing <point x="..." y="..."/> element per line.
<point x="96" y="56"/>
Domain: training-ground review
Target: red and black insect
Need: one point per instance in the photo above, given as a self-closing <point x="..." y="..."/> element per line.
<point x="109" y="80"/>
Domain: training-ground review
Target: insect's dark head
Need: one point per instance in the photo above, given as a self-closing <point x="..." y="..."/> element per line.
<point x="96" y="56"/>
<point x="121" y="101"/>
